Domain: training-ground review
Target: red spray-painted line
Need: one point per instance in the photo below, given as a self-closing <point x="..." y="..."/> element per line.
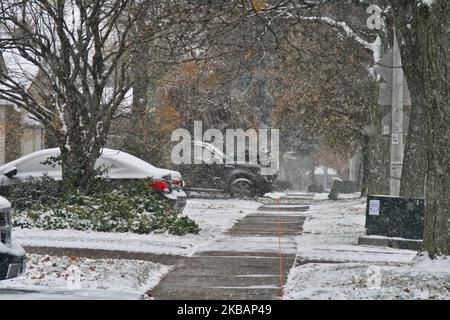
<point x="280" y="256"/>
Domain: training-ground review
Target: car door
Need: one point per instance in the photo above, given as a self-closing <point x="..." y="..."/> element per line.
<point x="212" y="169"/>
<point x="38" y="167"/>
<point x="197" y="176"/>
<point x="34" y="167"/>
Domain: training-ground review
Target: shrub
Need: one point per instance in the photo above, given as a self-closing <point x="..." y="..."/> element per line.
<point x="41" y="203"/>
<point x="42" y="190"/>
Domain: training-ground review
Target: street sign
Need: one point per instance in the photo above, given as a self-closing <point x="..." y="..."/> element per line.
<point x="386" y="122"/>
<point x="395" y="138"/>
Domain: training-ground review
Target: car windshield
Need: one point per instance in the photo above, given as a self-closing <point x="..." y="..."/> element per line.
<point x="217" y="151"/>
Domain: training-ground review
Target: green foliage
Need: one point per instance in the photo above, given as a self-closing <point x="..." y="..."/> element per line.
<point x="95" y="182"/>
<point x="136" y="208"/>
<point x="44" y="191"/>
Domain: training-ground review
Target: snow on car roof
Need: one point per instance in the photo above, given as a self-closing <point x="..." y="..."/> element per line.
<point x="125" y="158"/>
<point x="139" y="164"/>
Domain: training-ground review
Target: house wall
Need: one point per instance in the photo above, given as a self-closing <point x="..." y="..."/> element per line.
<point x="12" y="134"/>
<point x="17" y="139"/>
<point x="30" y="140"/>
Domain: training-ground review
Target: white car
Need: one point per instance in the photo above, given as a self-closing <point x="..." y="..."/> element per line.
<point x="121" y="168"/>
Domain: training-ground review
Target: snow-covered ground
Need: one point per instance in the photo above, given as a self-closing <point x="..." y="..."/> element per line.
<point x="331" y="266"/>
<point x="50" y="277"/>
<point x="94" y="278"/>
<point x="341" y="196"/>
<point x="213" y="217"/>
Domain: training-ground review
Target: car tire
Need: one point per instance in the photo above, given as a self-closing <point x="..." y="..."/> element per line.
<point x="242" y="188"/>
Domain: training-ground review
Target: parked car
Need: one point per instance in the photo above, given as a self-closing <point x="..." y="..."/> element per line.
<point x="215" y="174"/>
<point x="12" y="255"/>
<point x="121" y="168"/>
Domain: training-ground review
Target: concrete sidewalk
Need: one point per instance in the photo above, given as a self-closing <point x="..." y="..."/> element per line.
<point x="251" y="260"/>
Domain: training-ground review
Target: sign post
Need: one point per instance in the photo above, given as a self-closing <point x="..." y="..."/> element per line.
<point x="394" y="92"/>
<point x="397" y="121"/>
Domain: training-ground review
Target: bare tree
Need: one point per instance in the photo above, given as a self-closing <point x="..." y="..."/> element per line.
<point x="68" y="65"/>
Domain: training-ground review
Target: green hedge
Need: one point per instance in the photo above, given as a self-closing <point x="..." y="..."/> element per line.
<point x="42" y="203"/>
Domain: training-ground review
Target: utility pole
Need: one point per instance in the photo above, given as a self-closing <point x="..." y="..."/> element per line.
<point x="397" y="147"/>
<point x="394" y="92"/>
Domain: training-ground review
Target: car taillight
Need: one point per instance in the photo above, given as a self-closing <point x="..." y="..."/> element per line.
<point x="159" y="185"/>
<point x="177" y="182"/>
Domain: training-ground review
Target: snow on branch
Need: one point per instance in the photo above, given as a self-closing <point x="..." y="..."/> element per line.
<point x="375" y="46"/>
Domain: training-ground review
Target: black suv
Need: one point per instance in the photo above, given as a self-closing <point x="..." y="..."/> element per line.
<point x="214" y="174"/>
<point x="12" y="255"/>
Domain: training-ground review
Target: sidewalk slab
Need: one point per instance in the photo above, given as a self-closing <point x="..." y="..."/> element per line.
<point x="250" y="261"/>
<point x="283" y="208"/>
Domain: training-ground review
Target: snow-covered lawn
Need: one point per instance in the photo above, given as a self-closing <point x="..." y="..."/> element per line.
<point x="213" y="217"/>
<point x="332" y="266"/>
<point x="358" y="281"/>
<point x="75" y="277"/>
<point x="74" y="273"/>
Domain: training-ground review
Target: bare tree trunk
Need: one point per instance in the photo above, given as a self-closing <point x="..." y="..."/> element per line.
<point x="433" y="25"/>
<point x="78" y="157"/>
<point x="138" y="135"/>
<point x="364" y="167"/>
<point x="415" y="161"/>
<point x="76" y="170"/>
<point x="375" y="166"/>
<point x="376" y="173"/>
<point x="312" y="173"/>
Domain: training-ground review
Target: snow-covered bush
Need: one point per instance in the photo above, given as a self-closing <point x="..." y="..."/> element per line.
<point x="136" y="208"/>
<point x="42" y="190"/>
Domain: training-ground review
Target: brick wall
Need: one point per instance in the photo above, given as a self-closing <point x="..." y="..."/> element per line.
<point x="13" y="133"/>
<point x="10" y="134"/>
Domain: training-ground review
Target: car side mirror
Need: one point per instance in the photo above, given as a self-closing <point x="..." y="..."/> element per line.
<point x="11" y="172"/>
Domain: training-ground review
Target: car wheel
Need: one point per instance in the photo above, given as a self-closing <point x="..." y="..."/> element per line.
<point x="242" y="188"/>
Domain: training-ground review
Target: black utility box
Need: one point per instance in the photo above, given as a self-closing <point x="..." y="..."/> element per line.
<point x="395" y="216"/>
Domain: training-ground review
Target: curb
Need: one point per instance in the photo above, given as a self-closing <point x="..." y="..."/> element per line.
<point x="396" y="243"/>
<point x="105" y="254"/>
